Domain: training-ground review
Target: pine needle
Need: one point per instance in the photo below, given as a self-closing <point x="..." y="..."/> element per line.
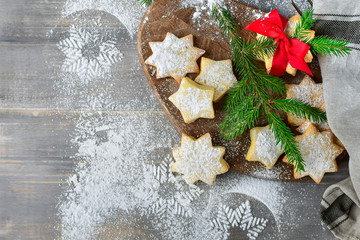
<point x="284" y="136"/>
<point x="300" y="109"/>
<point x="145" y="2"/>
<point x="303" y="27"/>
<point x="327" y="46"/>
<point x="319" y="44"/>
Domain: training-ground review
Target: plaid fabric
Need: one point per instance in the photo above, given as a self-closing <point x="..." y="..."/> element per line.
<point x="339" y="212"/>
<point x="341" y="78"/>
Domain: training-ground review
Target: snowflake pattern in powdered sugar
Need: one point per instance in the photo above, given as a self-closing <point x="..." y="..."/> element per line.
<point x="89" y="53"/>
<point x="240" y="217"/>
<point x="168" y="196"/>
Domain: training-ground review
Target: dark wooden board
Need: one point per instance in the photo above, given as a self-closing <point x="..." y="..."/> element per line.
<point x="169" y="16"/>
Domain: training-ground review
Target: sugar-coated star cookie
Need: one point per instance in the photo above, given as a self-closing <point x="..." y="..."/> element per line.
<point x="216" y="74"/>
<point x="308" y="91"/>
<point x="263" y="147"/>
<point x="193" y="100"/>
<point x="319" y="153"/>
<point x="197" y="159"/>
<point x="174" y="57"/>
<point x="289" y="31"/>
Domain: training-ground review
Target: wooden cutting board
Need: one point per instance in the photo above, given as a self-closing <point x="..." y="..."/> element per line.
<point x="171" y="16"/>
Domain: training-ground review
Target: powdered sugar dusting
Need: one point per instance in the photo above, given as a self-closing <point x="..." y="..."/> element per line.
<point x="308" y="91"/>
<point x="267" y="149"/>
<point x="217" y="74"/>
<point x="122" y="180"/>
<point x="199" y="160"/>
<point x="323" y="126"/>
<point x="193" y="101"/>
<point x="174" y="57"/>
<point x="241" y="216"/>
<point x="128" y="12"/>
<point x="319" y="153"/>
<point x="89" y="54"/>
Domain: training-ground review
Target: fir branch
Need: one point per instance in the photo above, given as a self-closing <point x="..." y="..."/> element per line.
<point x="248" y="114"/>
<point x="244" y="58"/>
<point x="304" y="25"/>
<point x="145" y="2"/>
<point x="252" y="95"/>
<point x="284" y="136"/>
<point x="327" y="46"/>
<point x="299" y="109"/>
<point x="236" y="94"/>
<point x="319" y="44"/>
<point x="272" y="83"/>
<point x="264" y="46"/>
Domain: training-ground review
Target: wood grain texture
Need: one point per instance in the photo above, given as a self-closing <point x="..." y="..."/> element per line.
<point x="36" y="125"/>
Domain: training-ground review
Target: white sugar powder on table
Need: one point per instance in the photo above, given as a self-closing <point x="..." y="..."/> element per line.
<point x="123" y="167"/>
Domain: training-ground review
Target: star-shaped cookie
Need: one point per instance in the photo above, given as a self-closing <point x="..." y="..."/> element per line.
<point x="193" y="100"/>
<point x="263" y="147"/>
<point x="319" y="153"/>
<point x="197" y="159"/>
<point x="174" y="57"/>
<point x="216" y="74"/>
<point x="308" y="91"/>
<point x="289" y="32"/>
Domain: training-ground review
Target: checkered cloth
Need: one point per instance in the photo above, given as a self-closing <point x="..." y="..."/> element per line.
<point x="340" y="206"/>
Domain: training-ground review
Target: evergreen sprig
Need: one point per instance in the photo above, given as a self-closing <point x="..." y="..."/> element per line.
<point x="303" y="27"/>
<point x="319" y="44"/>
<point x="300" y="109"/>
<point x="254" y="93"/>
<point x="328" y="46"/>
<point x="145" y="2"/>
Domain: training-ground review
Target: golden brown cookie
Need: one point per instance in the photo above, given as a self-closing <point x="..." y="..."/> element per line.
<point x="197" y="159"/>
<point x="263" y="147"/>
<point x="194" y="100"/>
<point x="323" y="126"/>
<point x="216" y="74"/>
<point x="319" y="153"/>
<point x="307" y="91"/>
<point x="174" y="57"/>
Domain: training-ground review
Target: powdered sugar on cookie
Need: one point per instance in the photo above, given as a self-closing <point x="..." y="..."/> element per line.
<point x="193" y="100"/>
<point x="263" y="147"/>
<point x="216" y="74"/>
<point x="199" y="160"/>
<point x="174" y="57"/>
<point x="307" y="91"/>
<point x="319" y="153"/>
<point x="322" y="126"/>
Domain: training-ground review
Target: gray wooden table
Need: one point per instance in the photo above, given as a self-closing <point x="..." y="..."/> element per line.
<point x="40" y="111"/>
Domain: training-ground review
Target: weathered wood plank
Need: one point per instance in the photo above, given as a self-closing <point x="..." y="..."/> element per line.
<point x="30" y="74"/>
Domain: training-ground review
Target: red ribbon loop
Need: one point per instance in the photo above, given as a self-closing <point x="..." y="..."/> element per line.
<point x="287" y="50"/>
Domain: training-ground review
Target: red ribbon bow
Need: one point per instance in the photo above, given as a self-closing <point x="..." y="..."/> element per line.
<point x="288" y="49"/>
